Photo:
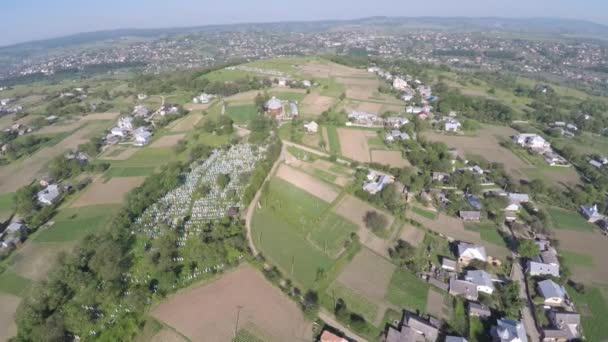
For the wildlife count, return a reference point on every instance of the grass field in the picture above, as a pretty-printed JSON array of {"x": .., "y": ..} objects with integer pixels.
[
  {"x": 11, "y": 282},
  {"x": 242, "y": 114},
  {"x": 355, "y": 302},
  {"x": 281, "y": 227},
  {"x": 424, "y": 213},
  {"x": 75, "y": 223},
  {"x": 244, "y": 335},
  {"x": 6, "y": 203},
  {"x": 331, "y": 232},
  {"x": 576, "y": 259},
  {"x": 148, "y": 157},
  {"x": 488, "y": 232},
  {"x": 593, "y": 308},
  {"x": 325, "y": 176},
  {"x": 334, "y": 140},
  {"x": 563, "y": 219},
  {"x": 117, "y": 171},
  {"x": 407, "y": 291}
]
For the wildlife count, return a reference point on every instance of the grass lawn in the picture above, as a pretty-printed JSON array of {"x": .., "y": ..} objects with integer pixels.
[
  {"x": 75, "y": 223},
  {"x": 128, "y": 172},
  {"x": 331, "y": 232},
  {"x": 407, "y": 291},
  {"x": 242, "y": 114},
  {"x": 211, "y": 139},
  {"x": 488, "y": 232},
  {"x": 593, "y": 309},
  {"x": 7, "y": 201},
  {"x": 564, "y": 219},
  {"x": 334, "y": 140},
  {"x": 424, "y": 213},
  {"x": 280, "y": 230},
  {"x": 11, "y": 282},
  {"x": 576, "y": 259},
  {"x": 226, "y": 75},
  {"x": 355, "y": 302}
]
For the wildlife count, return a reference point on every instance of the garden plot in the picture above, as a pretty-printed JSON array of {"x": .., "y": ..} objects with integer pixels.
[
  {"x": 111, "y": 192},
  {"x": 354, "y": 209},
  {"x": 201, "y": 197},
  {"x": 314, "y": 104},
  {"x": 307, "y": 183},
  {"x": 187, "y": 123},
  {"x": 359, "y": 88},
  {"x": 168, "y": 140},
  {"x": 196, "y": 106},
  {"x": 390, "y": 158},
  {"x": 8, "y": 307},
  {"x": 353, "y": 144},
  {"x": 588, "y": 244},
  {"x": 208, "y": 312},
  {"x": 119, "y": 153},
  {"x": 412, "y": 235},
  {"x": 435, "y": 304}
]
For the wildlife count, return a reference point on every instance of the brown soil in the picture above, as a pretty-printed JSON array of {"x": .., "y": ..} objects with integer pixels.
[
  {"x": 353, "y": 144},
  {"x": 208, "y": 312},
  {"x": 368, "y": 274},
  {"x": 391, "y": 158},
  {"x": 434, "y": 303},
  {"x": 592, "y": 244},
  {"x": 187, "y": 124},
  {"x": 411, "y": 235},
  {"x": 168, "y": 140},
  {"x": 315, "y": 104},
  {"x": 112, "y": 192},
  {"x": 307, "y": 183}
]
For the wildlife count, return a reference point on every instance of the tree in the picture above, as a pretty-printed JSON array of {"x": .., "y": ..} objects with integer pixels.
[
  {"x": 310, "y": 304},
  {"x": 375, "y": 221},
  {"x": 527, "y": 249},
  {"x": 509, "y": 301}
]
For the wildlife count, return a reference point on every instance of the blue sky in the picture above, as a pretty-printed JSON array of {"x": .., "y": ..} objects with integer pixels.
[{"x": 23, "y": 20}]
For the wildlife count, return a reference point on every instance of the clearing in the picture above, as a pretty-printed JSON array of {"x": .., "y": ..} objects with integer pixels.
[
  {"x": 72, "y": 224},
  {"x": 353, "y": 143},
  {"x": 33, "y": 260},
  {"x": 110, "y": 192},
  {"x": 208, "y": 312}
]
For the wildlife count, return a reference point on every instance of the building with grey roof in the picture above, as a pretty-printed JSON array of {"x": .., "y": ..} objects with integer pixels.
[
  {"x": 509, "y": 331},
  {"x": 565, "y": 326},
  {"x": 536, "y": 267},
  {"x": 552, "y": 292},
  {"x": 468, "y": 252},
  {"x": 482, "y": 279},
  {"x": 413, "y": 329},
  {"x": 455, "y": 339},
  {"x": 49, "y": 195},
  {"x": 479, "y": 310},
  {"x": 463, "y": 288}
]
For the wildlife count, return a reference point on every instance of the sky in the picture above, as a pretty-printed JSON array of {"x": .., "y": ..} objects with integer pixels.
[{"x": 25, "y": 20}]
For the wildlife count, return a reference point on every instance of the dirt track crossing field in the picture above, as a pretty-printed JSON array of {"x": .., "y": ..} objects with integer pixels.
[
  {"x": 353, "y": 144},
  {"x": 208, "y": 312},
  {"x": 390, "y": 158},
  {"x": 307, "y": 183},
  {"x": 112, "y": 192}
]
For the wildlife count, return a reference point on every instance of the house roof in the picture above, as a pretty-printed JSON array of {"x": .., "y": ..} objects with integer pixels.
[
  {"x": 328, "y": 336},
  {"x": 49, "y": 194},
  {"x": 550, "y": 289},
  {"x": 550, "y": 256},
  {"x": 274, "y": 104},
  {"x": 479, "y": 309},
  {"x": 455, "y": 339},
  {"x": 508, "y": 330},
  {"x": 448, "y": 262},
  {"x": 470, "y": 215},
  {"x": 463, "y": 288},
  {"x": 425, "y": 328},
  {"x": 14, "y": 227},
  {"x": 537, "y": 267},
  {"x": 480, "y": 278},
  {"x": 472, "y": 251}
]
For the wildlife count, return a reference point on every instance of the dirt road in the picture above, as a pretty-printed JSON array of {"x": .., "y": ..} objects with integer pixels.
[{"x": 517, "y": 275}]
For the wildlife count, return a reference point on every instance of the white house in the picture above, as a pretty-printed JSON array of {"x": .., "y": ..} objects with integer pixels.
[
  {"x": 311, "y": 127},
  {"x": 591, "y": 213},
  {"x": 142, "y": 136},
  {"x": 140, "y": 111},
  {"x": 515, "y": 201},
  {"x": 203, "y": 98},
  {"x": 126, "y": 122},
  {"x": 396, "y": 134},
  {"x": 119, "y": 131},
  {"x": 49, "y": 195},
  {"x": 365, "y": 119},
  {"x": 400, "y": 84},
  {"x": 396, "y": 121},
  {"x": 377, "y": 182},
  {"x": 482, "y": 279},
  {"x": 452, "y": 125},
  {"x": 468, "y": 252},
  {"x": 531, "y": 140},
  {"x": 509, "y": 331}
]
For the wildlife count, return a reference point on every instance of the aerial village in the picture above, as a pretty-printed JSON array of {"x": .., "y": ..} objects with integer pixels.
[{"x": 356, "y": 188}]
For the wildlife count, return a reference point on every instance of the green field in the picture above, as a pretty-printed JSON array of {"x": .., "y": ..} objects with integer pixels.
[
  {"x": 563, "y": 219},
  {"x": 334, "y": 140},
  {"x": 407, "y": 291},
  {"x": 593, "y": 308},
  {"x": 226, "y": 75},
  {"x": 242, "y": 114},
  {"x": 355, "y": 302},
  {"x": 75, "y": 223},
  {"x": 488, "y": 232},
  {"x": 148, "y": 157},
  {"x": 117, "y": 171},
  {"x": 7, "y": 202},
  {"x": 424, "y": 213},
  {"x": 281, "y": 227},
  {"x": 244, "y": 335},
  {"x": 11, "y": 282},
  {"x": 325, "y": 176},
  {"x": 576, "y": 259},
  {"x": 330, "y": 234}
]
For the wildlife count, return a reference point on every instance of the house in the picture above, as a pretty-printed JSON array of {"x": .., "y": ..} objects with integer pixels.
[
  {"x": 293, "y": 109},
  {"x": 142, "y": 136},
  {"x": 274, "y": 107},
  {"x": 400, "y": 84},
  {"x": 395, "y": 121},
  {"x": 554, "y": 294},
  {"x": 470, "y": 216},
  {"x": 365, "y": 119},
  {"x": 566, "y": 326},
  {"x": 448, "y": 264},
  {"x": 52, "y": 118},
  {"x": 396, "y": 134},
  {"x": 142, "y": 97},
  {"x": 49, "y": 195},
  {"x": 203, "y": 98},
  {"x": 140, "y": 111},
  {"x": 464, "y": 289},
  {"x": 452, "y": 125},
  {"x": 474, "y": 201},
  {"x": 596, "y": 163},
  {"x": 468, "y": 252},
  {"x": 590, "y": 213},
  {"x": 125, "y": 122},
  {"x": 307, "y": 83},
  {"x": 438, "y": 283},
  {"x": 537, "y": 267},
  {"x": 14, "y": 227},
  {"x": 407, "y": 95},
  {"x": 532, "y": 141},
  {"x": 554, "y": 159},
  {"x": 377, "y": 182},
  {"x": 440, "y": 176},
  {"x": 328, "y": 336},
  {"x": 119, "y": 131},
  {"x": 455, "y": 339},
  {"x": 571, "y": 127},
  {"x": 311, "y": 127},
  {"x": 413, "y": 329},
  {"x": 168, "y": 109},
  {"x": 413, "y": 109},
  {"x": 515, "y": 201},
  {"x": 46, "y": 181},
  {"x": 479, "y": 310},
  {"x": 509, "y": 331},
  {"x": 482, "y": 279}
]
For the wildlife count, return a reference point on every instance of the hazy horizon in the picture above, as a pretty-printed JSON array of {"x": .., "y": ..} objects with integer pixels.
[{"x": 27, "y": 20}]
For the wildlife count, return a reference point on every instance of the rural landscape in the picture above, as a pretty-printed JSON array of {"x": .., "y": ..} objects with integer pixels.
[{"x": 314, "y": 196}]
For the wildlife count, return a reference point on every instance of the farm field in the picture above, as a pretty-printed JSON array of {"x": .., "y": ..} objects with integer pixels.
[
  {"x": 593, "y": 307},
  {"x": 33, "y": 260},
  {"x": 208, "y": 312},
  {"x": 314, "y": 104},
  {"x": 167, "y": 140},
  {"x": 8, "y": 307},
  {"x": 407, "y": 291},
  {"x": 412, "y": 235},
  {"x": 118, "y": 153},
  {"x": 242, "y": 114},
  {"x": 390, "y": 158},
  {"x": 307, "y": 183},
  {"x": 569, "y": 220},
  {"x": 588, "y": 248},
  {"x": 72, "y": 224},
  {"x": 118, "y": 171},
  {"x": 333, "y": 139},
  {"x": 111, "y": 192},
  {"x": 353, "y": 144},
  {"x": 6, "y": 205}
]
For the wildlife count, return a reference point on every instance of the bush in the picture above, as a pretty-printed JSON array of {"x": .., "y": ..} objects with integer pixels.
[{"x": 375, "y": 221}]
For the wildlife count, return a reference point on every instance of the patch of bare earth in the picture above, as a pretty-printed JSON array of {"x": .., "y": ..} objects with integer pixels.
[
  {"x": 314, "y": 104},
  {"x": 411, "y": 235},
  {"x": 187, "y": 123},
  {"x": 390, "y": 158},
  {"x": 168, "y": 140},
  {"x": 196, "y": 106},
  {"x": 368, "y": 274},
  {"x": 435, "y": 304},
  {"x": 354, "y": 209},
  {"x": 307, "y": 183},
  {"x": 34, "y": 260},
  {"x": 353, "y": 144},
  {"x": 208, "y": 312},
  {"x": 592, "y": 244},
  {"x": 111, "y": 192},
  {"x": 8, "y": 307},
  {"x": 327, "y": 70}
]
